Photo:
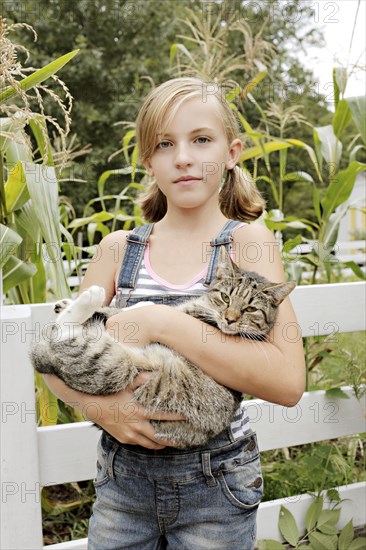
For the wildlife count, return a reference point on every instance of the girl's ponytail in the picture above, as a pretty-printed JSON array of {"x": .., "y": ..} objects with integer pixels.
[
  {"x": 239, "y": 198},
  {"x": 153, "y": 203}
]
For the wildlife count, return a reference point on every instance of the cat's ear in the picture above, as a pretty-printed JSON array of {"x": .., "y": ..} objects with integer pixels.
[
  {"x": 225, "y": 265},
  {"x": 279, "y": 291}
]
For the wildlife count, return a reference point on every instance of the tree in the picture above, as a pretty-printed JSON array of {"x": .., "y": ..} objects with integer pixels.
[{"x": 122, "y": 42}]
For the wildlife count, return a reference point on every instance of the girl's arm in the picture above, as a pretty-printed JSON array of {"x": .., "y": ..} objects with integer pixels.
[
  {"x": 118, "y": 414},
  {"x": 272, "y": 370}
]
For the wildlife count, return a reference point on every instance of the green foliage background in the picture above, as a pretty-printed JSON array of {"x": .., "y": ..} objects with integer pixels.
[{"x": 123, "y": 42}]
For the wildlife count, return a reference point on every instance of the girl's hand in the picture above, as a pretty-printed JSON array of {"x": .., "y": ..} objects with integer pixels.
[
  {"x": 118, "y": 414},
  {"x": 137, "y": 326},
  {"x": 126, "y": 420}
]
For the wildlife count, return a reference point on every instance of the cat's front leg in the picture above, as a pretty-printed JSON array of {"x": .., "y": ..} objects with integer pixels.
[{"x": 80, "y": 310}]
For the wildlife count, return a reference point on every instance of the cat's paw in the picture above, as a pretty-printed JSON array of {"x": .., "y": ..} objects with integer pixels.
[
  {"x": 61, "y": 305},
  {"x": 93, "y": 297}
]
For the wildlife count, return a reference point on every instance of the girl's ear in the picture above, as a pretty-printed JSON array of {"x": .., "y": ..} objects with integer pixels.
[
  {"x": 148, "y": 167},
  {"x": 235, "y": 150}
]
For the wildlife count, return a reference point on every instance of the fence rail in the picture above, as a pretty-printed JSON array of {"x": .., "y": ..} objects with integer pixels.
[{"x": 32, "y": 457}]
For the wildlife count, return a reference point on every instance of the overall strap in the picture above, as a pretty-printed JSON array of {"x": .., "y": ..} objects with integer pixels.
[
  {"x": 136, "y": 243},
  {"x": 225, "y": 238}
]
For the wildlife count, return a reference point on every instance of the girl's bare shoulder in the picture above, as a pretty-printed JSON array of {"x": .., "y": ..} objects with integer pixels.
[{"x": 257, "y": 250}]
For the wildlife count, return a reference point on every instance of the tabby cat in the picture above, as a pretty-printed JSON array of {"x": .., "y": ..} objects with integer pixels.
[{"x": 88, "y": 359}]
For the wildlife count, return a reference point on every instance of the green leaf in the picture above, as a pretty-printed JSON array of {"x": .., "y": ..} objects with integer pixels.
[
  {"x": 287, "y": 526},
  {"x": 316, "y": 203},
  {"x": 341, "y": 187},
  {"x": 357, "y": 106},
  {"x": 27, "y": 220},
  {"x": 38, "y": 282},
  {"x": 333, "y": 494},
  {"x": 335, "y": 87},
  {"x": 328, "y": 517},
  {"x": 249, "y": 87},
  {"x": 97, "y": 217},
  {"x": 47, "y": 403},
  {"x": 341, "y": 78},
  {"x": 259, "y": 151},
  {"x": 38, "y": 76},
  {"x": 16, "y": 190},
  {"x": 290, "y": 244},
  {"x": 39, "y": 129},
  {"x": 346, "y": 536},
  {"x": 43, "y": 189},
  {"x": 9, "y": 242},
  {"x": 328, "y": 529},
  {"x": 336, "y": 392},
  {"x": 358, "y": 544},
  {"x": 356, "y": 269},
  {"x": 310, "y": 152},
  {"x": 108, "y": 173},
  {"x": 126, "y": 141},
  {"x": 342, "y": 117},
  {"x": 313, "y": 512},
  {"x": 320, "y": 541},
  {"x": 330, "y": 146},
  {"x": 173, "y": 51},
  {"x": 298, "y": 176},
  {"x": 269, "y": 544},
  {"x": 16, "y": 272},
  {"x": 93, "y": 228}
]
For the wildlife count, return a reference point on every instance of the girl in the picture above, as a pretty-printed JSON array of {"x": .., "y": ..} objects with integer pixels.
[{"x": 149, "y": 494}]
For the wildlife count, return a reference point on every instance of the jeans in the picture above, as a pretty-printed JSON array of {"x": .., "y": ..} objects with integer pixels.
[{"x": 196, "y": 499}]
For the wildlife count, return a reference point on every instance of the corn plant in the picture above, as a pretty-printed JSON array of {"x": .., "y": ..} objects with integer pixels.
[
  {"x": 31, "y": 235},
  {"x": 330, "y": 208}
]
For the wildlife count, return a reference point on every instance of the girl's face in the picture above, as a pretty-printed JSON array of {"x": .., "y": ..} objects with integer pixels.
[{"x": 190, "y": 158}]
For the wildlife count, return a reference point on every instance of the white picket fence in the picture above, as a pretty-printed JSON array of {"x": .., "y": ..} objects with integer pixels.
[{"x": 33, "y": 457}]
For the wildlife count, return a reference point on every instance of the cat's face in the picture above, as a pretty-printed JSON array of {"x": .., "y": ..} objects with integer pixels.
[{"x": 245, "y": 302}]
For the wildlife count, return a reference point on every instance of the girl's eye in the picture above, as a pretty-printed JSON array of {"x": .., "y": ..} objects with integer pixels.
[
  {"x": 202, "y": 139},
  {"x": 163, "y": 145},
  {"x": 225, "y": 298}
]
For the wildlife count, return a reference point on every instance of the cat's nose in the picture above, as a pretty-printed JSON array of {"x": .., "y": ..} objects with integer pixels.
[{"x": 232, "y": 315}]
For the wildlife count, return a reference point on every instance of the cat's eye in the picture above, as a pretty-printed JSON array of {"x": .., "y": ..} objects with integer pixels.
[
  {"x": 250, "y": 309},
  {"x": 225, "y": 298}
]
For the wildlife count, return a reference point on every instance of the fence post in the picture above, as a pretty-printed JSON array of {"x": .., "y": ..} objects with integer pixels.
[{"x": 21, "y": 517}]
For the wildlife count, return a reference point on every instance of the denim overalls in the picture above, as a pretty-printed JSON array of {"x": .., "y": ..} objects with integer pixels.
[{"x": 205, "y": 498}]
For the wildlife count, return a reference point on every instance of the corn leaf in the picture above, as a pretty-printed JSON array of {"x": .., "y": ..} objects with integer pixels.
[
  {"x": 253, "y": 83},
  {"x": 260, "y": 150},
  {"x": 16, "y": 190},
  {"x": 310, "y": 151},
  {"x": 357, "y": 106},
  {"x": 43, "y": 190},
  {"x": 341, "y": 187},
  {"x": 39, "y": 129},
  {"x": 47, "y": 402},
  {"x": 330, "y": 146},
  {"x": 38, "y": 76},
  {"x": 15, "y": 272},
  {"x": 9, "y": 241},
  {"x": 342, "y": 117}
]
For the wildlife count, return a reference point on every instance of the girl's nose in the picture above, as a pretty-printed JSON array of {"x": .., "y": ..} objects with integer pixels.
[{"x": 183, "y": 156}]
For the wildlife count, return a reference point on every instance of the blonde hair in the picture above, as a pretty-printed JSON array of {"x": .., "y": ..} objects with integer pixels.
[{"x": 239, "y": 198}]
